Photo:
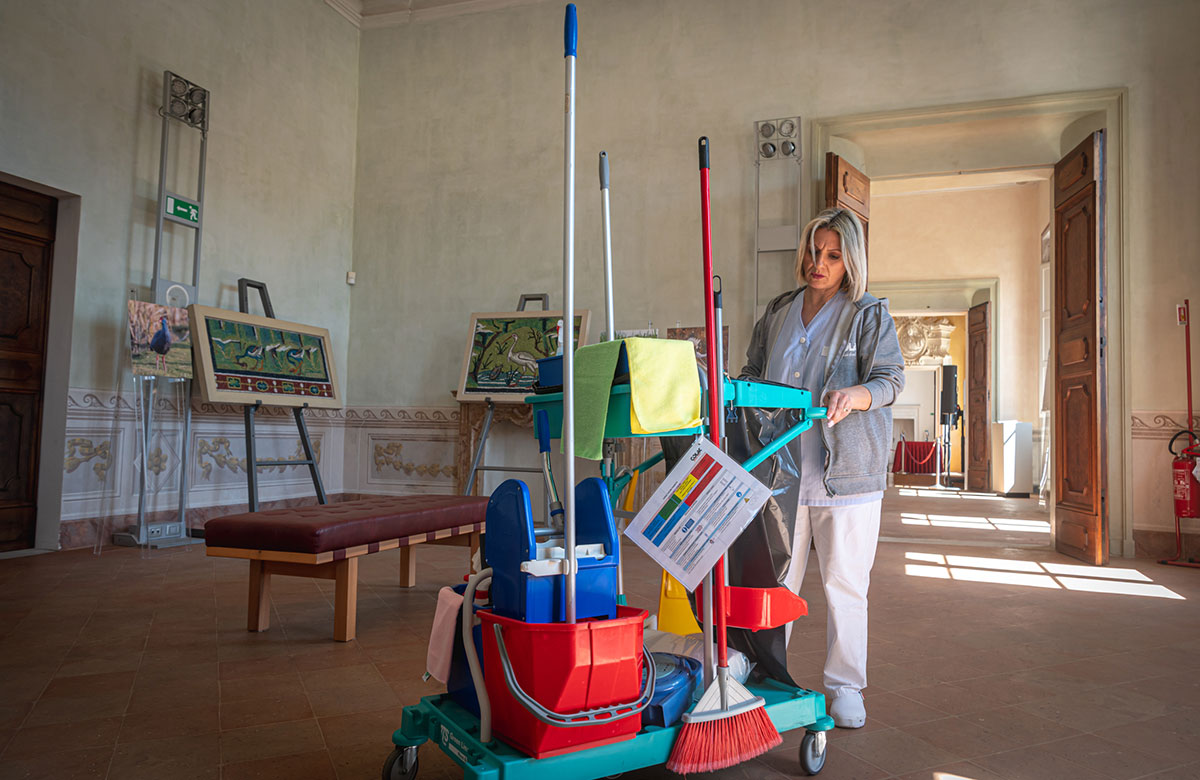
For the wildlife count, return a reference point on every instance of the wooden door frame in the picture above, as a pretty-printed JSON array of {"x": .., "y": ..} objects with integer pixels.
[
  {"x": 57, "y": 380},
  {"x": 825, "y": 135}
]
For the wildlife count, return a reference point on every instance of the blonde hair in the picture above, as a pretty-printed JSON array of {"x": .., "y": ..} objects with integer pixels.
[{"x": 854, "y": 248}]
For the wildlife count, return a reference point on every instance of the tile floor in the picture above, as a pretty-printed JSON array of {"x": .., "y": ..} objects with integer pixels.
[{"x": 986, "y": 662}]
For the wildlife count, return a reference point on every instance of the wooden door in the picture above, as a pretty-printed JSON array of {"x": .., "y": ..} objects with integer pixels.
[
  {"x": 979, "y": 398},
  {"x": 26, "y": 247},
  {"x": 1080, "y": 516},
  {"x": 849, "y": 188}
]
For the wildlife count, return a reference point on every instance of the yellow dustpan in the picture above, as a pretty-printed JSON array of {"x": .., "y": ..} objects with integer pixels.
[{"x": 674, "y": 610}]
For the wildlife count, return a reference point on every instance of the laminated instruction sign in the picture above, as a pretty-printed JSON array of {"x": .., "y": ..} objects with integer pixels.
[{"x": 698, "y": 511}]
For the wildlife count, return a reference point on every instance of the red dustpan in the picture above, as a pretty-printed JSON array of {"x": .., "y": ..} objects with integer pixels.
[{"x": 759, "y": 608}]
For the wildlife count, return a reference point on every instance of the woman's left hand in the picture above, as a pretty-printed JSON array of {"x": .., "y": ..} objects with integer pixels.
[{"x": 840, "y": 403}]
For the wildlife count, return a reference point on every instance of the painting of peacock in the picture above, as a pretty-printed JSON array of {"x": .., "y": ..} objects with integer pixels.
[
  {"x": 161, "y": 344},
  {"x": 160, "y": 340}
]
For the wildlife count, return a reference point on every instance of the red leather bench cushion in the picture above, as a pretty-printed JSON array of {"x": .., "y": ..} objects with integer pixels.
[{"x": 316, "y": 529}]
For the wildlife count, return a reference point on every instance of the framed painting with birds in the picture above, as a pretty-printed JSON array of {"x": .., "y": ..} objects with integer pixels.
[
  {"x": 244, "y": 358},
  {"x": 503, "y": 349},
  {"x": 160, "y": 340}
]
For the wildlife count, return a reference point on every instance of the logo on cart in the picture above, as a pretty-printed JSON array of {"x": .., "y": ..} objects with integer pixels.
[{"x": 455, "y": 746}]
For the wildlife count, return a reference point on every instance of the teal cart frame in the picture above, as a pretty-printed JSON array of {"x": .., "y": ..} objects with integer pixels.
[{"x": 442, "y": 722}]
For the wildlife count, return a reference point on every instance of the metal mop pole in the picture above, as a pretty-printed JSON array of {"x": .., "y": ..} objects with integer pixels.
[
  {"x": 571, "y": 41},
  {"x": 610, "y": 334},
  {"x": 605, "y": 218}
]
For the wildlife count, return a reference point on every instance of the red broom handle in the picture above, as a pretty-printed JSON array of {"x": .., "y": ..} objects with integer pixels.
[
  {"x": 1187, "y": 350},
  {"x": 714, "y": 384}
]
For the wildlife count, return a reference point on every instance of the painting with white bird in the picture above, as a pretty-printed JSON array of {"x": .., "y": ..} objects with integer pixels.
[
  {"x": 244, "y": 357},
  {"x": 502, "y": 354}
]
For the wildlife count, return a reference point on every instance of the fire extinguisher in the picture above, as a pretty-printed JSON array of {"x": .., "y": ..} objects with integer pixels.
[{"x": 1187, "y": 489}]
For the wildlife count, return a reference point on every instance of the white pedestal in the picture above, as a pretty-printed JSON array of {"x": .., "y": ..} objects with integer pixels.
[{"x": 1012, "y": 457}]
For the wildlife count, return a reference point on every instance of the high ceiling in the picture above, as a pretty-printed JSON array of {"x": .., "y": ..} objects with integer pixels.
[{"x": 369, "y": 14}]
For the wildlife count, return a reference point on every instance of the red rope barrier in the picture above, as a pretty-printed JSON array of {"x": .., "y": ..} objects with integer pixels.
[
  {"x": 925, "y": 459},
  {"x": 909, "y": 462}
]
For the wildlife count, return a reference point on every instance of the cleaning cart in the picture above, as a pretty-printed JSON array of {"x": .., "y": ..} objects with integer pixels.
[{"x": 569, "y": 696}]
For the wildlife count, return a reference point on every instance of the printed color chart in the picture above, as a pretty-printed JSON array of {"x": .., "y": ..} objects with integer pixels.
[{"x": 702, "y": 506}]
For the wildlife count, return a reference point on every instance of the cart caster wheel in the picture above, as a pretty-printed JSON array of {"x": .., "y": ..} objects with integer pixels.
[
  {"x": 401, "y": 764},
  {"x": 812, "y": 752}
]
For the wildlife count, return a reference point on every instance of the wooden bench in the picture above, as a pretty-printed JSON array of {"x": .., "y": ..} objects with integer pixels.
[{"x": 326, "y": 541}]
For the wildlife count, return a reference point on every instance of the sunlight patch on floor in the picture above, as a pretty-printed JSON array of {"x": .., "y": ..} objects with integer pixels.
[
  {"x": 1013, "y": 524},
  {"x": 957, "y": 494},
  {"x": 1034, "y": 574}
]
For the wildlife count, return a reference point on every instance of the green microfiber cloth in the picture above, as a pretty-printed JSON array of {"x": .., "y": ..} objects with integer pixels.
[{"x": 594, "y": 369}]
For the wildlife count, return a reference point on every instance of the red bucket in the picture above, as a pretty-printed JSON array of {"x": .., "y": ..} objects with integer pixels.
[{"x": 567, "y": 669}]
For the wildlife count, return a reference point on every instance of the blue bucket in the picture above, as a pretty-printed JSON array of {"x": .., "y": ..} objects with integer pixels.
[{"x": 675, "y": 678}]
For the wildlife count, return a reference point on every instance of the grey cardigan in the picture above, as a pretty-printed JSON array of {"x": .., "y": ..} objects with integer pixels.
[{"x": 865, "y": 352}]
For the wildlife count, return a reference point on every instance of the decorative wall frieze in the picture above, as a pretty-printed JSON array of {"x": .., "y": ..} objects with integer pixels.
[
  {"x": 80, "y": 451},
  {"x": 391, "y": 416},
  {"x": 387, "y": 454},
  {"x": 360, "y": 450},
  {"x": 1160, "y": 425},
  {"x": 218, "y": 453},
  {"x": 156, "y": 461},
  {"x": 924, "y": 341},
  {"x": 83, "y": 403}
]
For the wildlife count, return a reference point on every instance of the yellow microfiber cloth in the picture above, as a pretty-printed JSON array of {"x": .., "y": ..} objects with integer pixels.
[{"x": 664, "y": 386}]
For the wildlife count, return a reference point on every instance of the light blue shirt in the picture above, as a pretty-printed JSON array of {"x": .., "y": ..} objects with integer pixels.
[{"x": 799, "y": 357}]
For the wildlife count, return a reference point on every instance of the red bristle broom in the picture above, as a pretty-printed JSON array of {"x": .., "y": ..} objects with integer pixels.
[{"x": 729, "y": 724}]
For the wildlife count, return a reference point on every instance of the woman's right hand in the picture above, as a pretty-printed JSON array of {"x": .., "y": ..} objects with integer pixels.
[{"x": 839, "y": 403}]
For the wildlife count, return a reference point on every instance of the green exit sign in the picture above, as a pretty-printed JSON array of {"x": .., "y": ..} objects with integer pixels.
[{"x": 183, "y": 210}]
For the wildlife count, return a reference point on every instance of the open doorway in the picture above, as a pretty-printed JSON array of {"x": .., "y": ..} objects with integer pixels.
[
  {"x": 934, "y": 347},
  {"x": 958, "y": 258},
  {"x": 931, "y": 234},
  {"x": 1080, "y": 135}
]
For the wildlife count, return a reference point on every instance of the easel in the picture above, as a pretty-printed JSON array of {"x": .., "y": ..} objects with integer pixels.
[
  {"x": 476, "y": 463},
  {"x": 252, "y": 461}
]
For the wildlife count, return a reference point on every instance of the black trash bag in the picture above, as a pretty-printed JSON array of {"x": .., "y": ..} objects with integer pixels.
[{"x": 762, "y": 555}]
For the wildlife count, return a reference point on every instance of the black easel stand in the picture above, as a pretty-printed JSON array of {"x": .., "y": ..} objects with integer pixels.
[{"x": 252, "y": 461}]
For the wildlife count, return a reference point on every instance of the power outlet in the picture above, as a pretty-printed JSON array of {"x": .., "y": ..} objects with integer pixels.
[{"x": 156, "y": 530}]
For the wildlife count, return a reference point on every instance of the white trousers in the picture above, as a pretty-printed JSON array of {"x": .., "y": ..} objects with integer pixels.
[{"x": 845, "y": 538}]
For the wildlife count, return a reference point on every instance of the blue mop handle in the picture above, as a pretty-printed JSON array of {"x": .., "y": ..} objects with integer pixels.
[
  {"x": 571, "y": 31},
  {"x": 543, "y": 431},
  {"x": 542, "y": 426}
]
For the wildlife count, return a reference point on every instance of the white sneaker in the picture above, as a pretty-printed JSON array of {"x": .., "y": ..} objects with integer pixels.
[{"x": 848, "y": 711}]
